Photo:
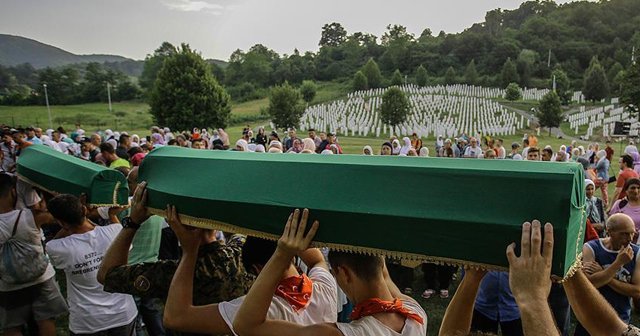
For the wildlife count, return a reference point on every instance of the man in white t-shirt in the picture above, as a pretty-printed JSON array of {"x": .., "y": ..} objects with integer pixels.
[
  {"x": 297, "y": 298},
  {"x": 473, "y": 150},
  {"x": 92, "y": 310},
  {"x": 380, "y": 307},
  {"x": 40, "y": 299}
]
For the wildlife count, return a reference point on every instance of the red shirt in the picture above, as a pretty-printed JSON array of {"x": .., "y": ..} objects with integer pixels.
[{"x": 626, "y": 174}]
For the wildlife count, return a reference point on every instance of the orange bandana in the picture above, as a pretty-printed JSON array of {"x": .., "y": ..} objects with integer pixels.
[
  {"x": 374, "y": 306},
  {"x": 296, "y": 290}
]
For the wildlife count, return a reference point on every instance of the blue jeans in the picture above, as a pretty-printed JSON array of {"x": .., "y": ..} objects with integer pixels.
[{"x": 150, "y": 311}]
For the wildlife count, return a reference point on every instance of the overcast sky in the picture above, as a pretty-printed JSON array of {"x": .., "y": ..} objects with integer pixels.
[{"x": 134, "y": 28}]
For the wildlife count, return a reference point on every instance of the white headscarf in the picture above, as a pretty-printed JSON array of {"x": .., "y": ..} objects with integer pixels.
[
  {"x": 242, "y": 143},
  {"x": 365, "y": 148},
  {"x": 424, "y": 152},
  {"x": 395, "y": 150},
  {"x": 259, "y": 149},
  {"x": 407, "y": 146},
  {"x": 327, "y": 152}
]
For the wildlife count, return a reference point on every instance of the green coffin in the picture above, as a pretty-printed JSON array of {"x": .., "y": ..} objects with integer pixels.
[
  {"x": 59, "y": 173},
  {"x": 457, "y": 211}
]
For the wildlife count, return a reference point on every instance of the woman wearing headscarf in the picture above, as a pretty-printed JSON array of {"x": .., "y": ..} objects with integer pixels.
[
  {"x": 296, "y": 146},
  {"x": 367, "y": 150},
  {"x": 275, "y": 144},
  {"x": 404, "y": 150},
  {"x": 135, "y": 140},
  {"x": 157, "y": 139},
  {"x": 242, "y": 146},
  {"x": 260, "y": 149},
  {"x": 395, "y": 146},
  {"x": 308, "y": 146},
  {"x": 424, "y": 152},
  {"x": 594, "y": 208}
]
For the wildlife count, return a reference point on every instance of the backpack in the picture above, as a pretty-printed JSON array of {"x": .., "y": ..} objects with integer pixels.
[{"x": 20, "y": 262}]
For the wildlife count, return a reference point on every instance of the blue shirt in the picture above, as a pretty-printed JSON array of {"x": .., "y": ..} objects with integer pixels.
[
  {"x": 495, "y": 299},
  {"x": 602, "y": 168},
  {"x": 35, "y": 141},
  {"x": 606, "y": 257}
]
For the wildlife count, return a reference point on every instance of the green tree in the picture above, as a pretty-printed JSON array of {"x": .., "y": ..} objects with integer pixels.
[
  {"x": 126, "y": 90},
  {"x": 471, "y": 74},
  {"x": 630, "y": 88},
  {"x": 596, "y": 85},
  {"x": 512, "y": 92},
  {"x": 333, "y": 35},
  {"x": 421, "y": 76},
  {"x": 563, "y": 85},
  {"x": 285, "y": 107},
  {"x": 153, "y": 64},
  {"x": 450, "y": 76},
  {"x": 308, "y": 90},
  {"x": 509, "y": 73},
  {"x": 360, "y": 82},
  {"x": 186, "y": 94},
  {"x": 395, "y": 107},
  {"x": 550, "y": 111},
  {"x": 372, "y": 72},
  {"x": 396, "y": 78}
]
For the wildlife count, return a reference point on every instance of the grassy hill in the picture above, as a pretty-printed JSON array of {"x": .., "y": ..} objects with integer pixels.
[{"x": 16, "y": 50}]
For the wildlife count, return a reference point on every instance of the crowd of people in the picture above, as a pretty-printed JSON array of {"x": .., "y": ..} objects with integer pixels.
[{"x": 128, "y": 272}]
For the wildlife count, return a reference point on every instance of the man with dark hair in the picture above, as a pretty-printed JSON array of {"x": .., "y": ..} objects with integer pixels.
[
  {"x": 525, "y": 150},
  {"x": 31, "y": 136},
  {"x": 198, "y": 144},
  {"x": 109, "y": 154},
  {"x": 39, "y": 299},
  {"x": 298, "y": 298},
  {"x": 316, "y": 139},
  {"x": 381, "y": 309},
  {"x": 19, "y": 137},
  {"x": 533, "y": 154},
  {"x": 92, "y": 310},
  {"x": 124, "y": 143},
  {"x": 626, "y": 172},
  {"x": 91, "y": 150},
  {"x": 547, "y": 153}
]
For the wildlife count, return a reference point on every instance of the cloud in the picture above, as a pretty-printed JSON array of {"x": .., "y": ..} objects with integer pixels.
[{"x": 194, "y": 6}]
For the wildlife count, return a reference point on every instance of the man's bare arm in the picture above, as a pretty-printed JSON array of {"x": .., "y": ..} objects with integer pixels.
[{"x": 592, "y": 310}]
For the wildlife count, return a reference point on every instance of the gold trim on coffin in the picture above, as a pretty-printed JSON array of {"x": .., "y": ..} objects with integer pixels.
[
  {"x": 55, "y": 193},
  {"x": 217, "y": 225}
]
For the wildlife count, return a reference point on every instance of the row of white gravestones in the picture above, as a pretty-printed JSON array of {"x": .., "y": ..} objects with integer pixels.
[
  {"x": 455, "y": 89},
  {"x": 431, "y": 114}
]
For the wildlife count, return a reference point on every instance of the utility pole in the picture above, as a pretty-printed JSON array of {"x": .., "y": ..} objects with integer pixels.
[
  {"x": 46, "y": 98},
  {"x": 554, "y": 83},
  {"x": 549, "y": 59},
  {"x": 109, "y": 95},
  {"x": 633, "y": 55}
]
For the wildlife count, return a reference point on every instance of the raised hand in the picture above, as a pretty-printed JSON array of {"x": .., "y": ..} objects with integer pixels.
[
  {"x": 294, "y": 240},
  {"x": 625, "y": 255},
  {"x": 530, "y": 274},
  {"x": 189, "y": 237},
  {"x": 139, "y": 212}
]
